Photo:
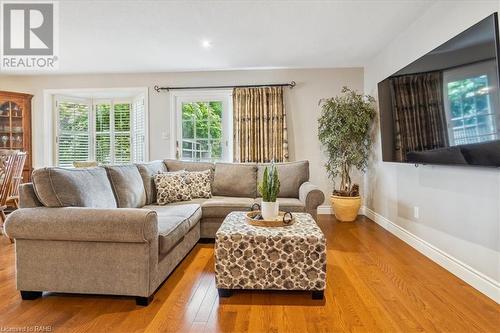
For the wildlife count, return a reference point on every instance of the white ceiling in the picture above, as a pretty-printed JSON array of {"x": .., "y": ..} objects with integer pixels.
[{"x": 159, "y": 36}]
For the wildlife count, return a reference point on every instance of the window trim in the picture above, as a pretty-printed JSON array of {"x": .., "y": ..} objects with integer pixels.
[{"x": 178, "y": 97}]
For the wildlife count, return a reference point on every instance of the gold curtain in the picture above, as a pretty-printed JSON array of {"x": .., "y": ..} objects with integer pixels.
[{"x": 260, "y": 133}]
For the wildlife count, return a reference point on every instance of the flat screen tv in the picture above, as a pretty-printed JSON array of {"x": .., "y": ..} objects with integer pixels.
[{"x": 444, "y": 108}]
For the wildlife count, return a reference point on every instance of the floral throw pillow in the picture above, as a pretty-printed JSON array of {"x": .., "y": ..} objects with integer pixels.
[
  {"x": 200, "y": 183},
  {"x": 171, "y": 187}
]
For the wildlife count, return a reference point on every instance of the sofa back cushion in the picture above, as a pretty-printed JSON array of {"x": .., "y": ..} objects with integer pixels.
[
  {"x": 59, "y": 187},
  {"x": 235, "y": 180},
  {"x": 148, "y": 171},
  {"x": 176, "y": 165},
  {"x": 127, "y": 185},
  {"x": 291, "y": 175}
]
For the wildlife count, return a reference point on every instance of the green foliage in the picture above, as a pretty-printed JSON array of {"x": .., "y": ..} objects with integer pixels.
[
  {"x": 344, "y": 132},
  {"x": 270, "y": 186},
  {"x": 203, "y": 121}
]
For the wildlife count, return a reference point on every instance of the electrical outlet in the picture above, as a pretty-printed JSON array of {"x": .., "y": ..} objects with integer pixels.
[
  {"x": 416, "y": 212},
  {"x": 165, "y": 136}
]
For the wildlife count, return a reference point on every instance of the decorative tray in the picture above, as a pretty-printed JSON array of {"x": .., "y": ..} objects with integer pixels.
[{"x": 280, "y": 221}]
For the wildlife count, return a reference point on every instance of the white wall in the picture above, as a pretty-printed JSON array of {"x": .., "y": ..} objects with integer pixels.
[
  {"x": 459, "y": 207},
  {"x": 301, "y": 104}
]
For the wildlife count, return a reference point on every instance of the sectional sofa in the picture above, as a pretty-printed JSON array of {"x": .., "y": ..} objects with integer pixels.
[{"x": 99, "y": 230}]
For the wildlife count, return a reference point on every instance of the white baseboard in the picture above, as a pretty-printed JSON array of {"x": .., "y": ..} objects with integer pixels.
[
  {"x": 476, "y": 279},
  {"x": 325, "y": 209}
]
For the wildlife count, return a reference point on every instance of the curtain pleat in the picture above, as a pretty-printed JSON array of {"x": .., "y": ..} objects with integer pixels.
[
  {"x": 418, "y": 113},
  {"x": 260, "y": 133}
]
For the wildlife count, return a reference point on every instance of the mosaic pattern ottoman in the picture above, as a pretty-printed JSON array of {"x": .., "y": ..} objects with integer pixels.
[{"x": 267, "y": 258}]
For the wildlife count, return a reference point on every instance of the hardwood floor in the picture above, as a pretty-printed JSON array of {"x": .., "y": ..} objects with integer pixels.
[{"x": 375, "y": 283}]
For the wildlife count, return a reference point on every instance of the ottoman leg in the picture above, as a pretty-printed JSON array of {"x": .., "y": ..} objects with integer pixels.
[
  {"x": 318, "y": 294},
  {"x": 224, "y": 292}
]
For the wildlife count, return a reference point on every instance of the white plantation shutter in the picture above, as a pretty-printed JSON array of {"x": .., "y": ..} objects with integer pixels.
[
  {"x": 122, "y": 135},
  {"x": 107, "y": 131},
  {"x": 138, "y": 130},
  {"x": 73, "y": 132},
  {"x": 103, "y": 132}
]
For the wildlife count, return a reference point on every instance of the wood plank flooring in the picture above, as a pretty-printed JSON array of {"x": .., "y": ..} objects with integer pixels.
[{"x": 375, "y": 283}]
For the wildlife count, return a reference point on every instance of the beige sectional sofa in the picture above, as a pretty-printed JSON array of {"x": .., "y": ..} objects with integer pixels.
[{"x": 99, "y": 230}]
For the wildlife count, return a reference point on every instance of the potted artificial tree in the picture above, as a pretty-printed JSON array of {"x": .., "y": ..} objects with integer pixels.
[
  {"x": 269, "y": 189},
  {"x": 344, "y": 132}
]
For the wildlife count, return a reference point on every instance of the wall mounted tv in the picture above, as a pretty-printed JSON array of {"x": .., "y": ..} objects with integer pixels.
[{"x": 444, "y": 108}]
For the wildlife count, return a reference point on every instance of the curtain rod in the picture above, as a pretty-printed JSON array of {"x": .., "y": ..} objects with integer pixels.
[{"x": 291, "y": 85}]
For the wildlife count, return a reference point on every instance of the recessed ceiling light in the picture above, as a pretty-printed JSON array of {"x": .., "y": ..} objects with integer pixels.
[{"x": 206, "y": 43}]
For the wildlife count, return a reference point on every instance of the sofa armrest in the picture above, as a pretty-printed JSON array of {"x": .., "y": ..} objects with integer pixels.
[
  {"x": 127, "y": 225},
  {"x": 311, "y": 196}
]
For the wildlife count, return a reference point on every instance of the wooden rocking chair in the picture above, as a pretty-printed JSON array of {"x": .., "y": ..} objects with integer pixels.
[
  {"x": 7, "y": 163},
  {"x": 17, "y": 178}
]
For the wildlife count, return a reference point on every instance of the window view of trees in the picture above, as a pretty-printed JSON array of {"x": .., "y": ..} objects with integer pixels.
[
  {"x": 471, "y": 114},
  {"x": 112, "y": 134},
  {"x": 202, "y": 131},
  {"x": 103, "y": 133},
  {"x": 122, "y": 133},
  {"x": 73, "y": 138}
]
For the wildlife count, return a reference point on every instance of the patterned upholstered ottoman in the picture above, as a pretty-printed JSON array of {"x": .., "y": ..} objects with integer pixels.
[{"x": 264, "y": 258}]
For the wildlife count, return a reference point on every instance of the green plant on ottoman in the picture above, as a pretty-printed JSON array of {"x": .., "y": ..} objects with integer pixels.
[
  {"x": 269, "y": 189},
  {"x": 344, "y": 131}
]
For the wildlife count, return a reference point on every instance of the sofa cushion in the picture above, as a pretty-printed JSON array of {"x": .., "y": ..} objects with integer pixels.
[
  {"x": 235, "y": 180},
  {"x": 127, "y": 185},
  {"x": 174, "y": 222},
  {"x": 60, "y": 187},
  {"x": 147, "y": 171},
  {"x": 291, "y": 175},
  {"x": 176, "y": 165},
  {"x": 288, "y": 204},
  {"x": 221, "y": 206},
  {"x": 172, "y": 187}
]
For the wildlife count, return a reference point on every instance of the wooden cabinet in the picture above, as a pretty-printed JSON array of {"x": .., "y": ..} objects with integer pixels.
[{"x": 15, "y": 126}]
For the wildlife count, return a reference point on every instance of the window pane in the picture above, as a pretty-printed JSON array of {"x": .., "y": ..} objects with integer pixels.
[
  {"x": 201, "y": 124},
  {"x": 216, "y": 150},
  {"x": 122, "y": 117},
  {"x": 188, "y": 129},
  {"x": 73, "y": 116},
  {"x": 73, "y": 133},
  {"x": 71, "y": 148},
  {"x": 202, "y": 129},
  {"x": 138, "y": 124},
  {"x": 188, "y": 111},
  {"x": 102, "y": 117},
  {"x": 122, "y": 149},
  {"x": 103, "y": 148}
]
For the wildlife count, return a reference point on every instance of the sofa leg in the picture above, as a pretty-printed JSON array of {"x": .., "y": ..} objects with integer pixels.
[
  {"x": 30, "y": 295},
  {"x": 144, "y": 301},
  {"x": 318, "y": 294},
  {"x": 224, "y": 292}
]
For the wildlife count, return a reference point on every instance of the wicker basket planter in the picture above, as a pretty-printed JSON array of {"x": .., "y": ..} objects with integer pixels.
[{"x": 345, "y": 208}]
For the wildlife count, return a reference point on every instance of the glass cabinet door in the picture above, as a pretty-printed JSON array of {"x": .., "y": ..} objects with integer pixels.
[{"x": 11, "y": 125}]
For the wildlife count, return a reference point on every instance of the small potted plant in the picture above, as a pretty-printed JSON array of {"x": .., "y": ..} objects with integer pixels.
[
  {"x": 344, "y": 131},
  {"x": 269, "y": 189}
]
